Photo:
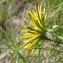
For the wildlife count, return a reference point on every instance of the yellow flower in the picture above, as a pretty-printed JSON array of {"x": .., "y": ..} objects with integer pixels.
[{"x": 36, "y": 30}]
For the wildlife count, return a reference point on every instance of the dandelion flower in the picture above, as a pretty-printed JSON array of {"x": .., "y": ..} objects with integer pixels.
[{"x": 36, "y": 29}]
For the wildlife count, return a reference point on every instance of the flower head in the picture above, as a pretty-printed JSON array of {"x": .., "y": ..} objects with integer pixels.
[{"x": 36, "y": 29}]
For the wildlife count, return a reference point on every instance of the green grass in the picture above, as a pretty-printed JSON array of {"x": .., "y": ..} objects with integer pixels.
[{"x": 54, "y": 52}]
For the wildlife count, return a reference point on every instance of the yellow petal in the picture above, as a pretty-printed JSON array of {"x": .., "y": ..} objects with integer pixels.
[
  {"x": 31, "y": 50},
  {"x": 28, "y": 43},
  {"x": 28, "y": 52},
  {"x": 29, "y": 22},
  {"x": 31, "y": 39},
  {"x": 40, "y": 11}
]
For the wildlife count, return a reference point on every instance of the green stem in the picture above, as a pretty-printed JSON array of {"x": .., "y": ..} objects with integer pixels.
[{"x": 39, "y": 57}]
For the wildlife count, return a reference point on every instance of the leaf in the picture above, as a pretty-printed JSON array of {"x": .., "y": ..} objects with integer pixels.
[
  {"x": 2, "y": 13},
  {"x": 60, "y": 37}
]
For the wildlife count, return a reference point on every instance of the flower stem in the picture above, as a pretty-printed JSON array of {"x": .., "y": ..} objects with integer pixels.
[{"x": 39, "y": 57}]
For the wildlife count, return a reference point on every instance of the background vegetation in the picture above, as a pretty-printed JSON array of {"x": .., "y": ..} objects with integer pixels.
[{"x": 12, "y": 13}]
